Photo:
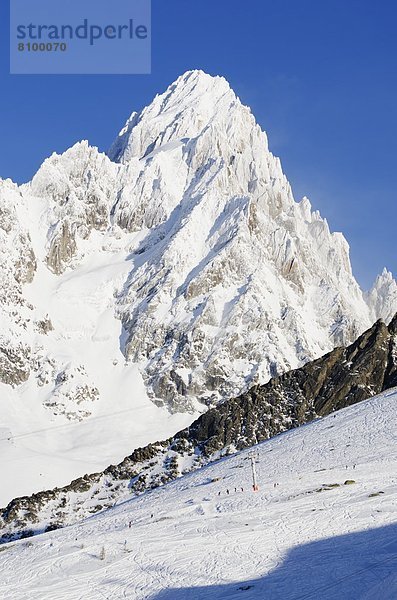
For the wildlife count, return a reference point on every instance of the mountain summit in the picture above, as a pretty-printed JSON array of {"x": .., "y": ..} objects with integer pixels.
[
  {"x": 194, "y": 102},
  {"x": 162, "y": 278},
  {"x": 233, "y": 253}
]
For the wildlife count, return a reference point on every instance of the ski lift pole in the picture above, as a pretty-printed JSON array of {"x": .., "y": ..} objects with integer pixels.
[{"x": 255, "y": 486}]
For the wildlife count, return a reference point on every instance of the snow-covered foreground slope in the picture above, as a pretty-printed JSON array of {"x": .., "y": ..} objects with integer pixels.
[
  {"x": 170, "y": 275},
  {"x": 327, "y": 529}
]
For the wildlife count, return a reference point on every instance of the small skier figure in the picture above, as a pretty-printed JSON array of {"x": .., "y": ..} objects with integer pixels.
[
  {"x": 129, "y": 525},
  {"x": 227, "y": 492}
]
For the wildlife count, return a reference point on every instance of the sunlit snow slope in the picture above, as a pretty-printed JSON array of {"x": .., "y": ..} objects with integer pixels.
[
  {"x": 323, "y": 525},
  {"x": 82, "y": 407},
  {"x": 164, "y": 277}
]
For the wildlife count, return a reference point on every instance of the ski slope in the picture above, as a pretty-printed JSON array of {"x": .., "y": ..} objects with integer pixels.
[{"x": 310, "y": 536}]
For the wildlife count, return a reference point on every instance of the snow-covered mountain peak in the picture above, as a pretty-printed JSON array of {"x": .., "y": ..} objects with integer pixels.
[
  {"x": 194, "y": 104},
  {"x": 384, "y": 278},
  {"x": 198, "y": 87},
  {"x": 382, "y": 298}
]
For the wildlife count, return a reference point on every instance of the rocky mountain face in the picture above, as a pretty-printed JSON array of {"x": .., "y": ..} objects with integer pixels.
[
  {"x": 18, "y": 268},
  {"x": 233, "y": 254},
  {"x": 177, "y": 269},
  {"x": 339, "y": 379}
]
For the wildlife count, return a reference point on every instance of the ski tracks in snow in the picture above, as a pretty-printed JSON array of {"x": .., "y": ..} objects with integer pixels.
[{"x": 201, "y": 538}]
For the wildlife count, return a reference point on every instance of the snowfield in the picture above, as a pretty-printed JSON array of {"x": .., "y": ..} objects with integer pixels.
[
  {"x": 322, "y": 525},
  {"x": 40, "y": 446}
]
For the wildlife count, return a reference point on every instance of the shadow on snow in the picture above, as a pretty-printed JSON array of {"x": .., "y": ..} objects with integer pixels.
[{"x": 356, "y": 566}]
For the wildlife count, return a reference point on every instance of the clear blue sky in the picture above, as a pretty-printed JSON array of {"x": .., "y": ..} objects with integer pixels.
[{"x": 320, "y": 77}]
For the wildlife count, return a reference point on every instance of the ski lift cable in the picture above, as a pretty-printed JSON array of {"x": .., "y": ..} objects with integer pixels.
[{"x": 57, "y": 427}]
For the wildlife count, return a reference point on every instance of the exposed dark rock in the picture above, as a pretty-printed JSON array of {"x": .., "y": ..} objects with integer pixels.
[
  {"x": 62, "y": 248},
  {"x": 25, "y": 268},
  {"x": 14, "y": 364},
  {"x": 341, "y": 378},
  {"x": 44, "y": 326}
]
